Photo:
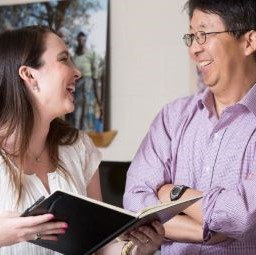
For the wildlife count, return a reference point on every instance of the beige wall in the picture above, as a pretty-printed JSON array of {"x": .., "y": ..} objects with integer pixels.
[{"x": 150, "y": 67}]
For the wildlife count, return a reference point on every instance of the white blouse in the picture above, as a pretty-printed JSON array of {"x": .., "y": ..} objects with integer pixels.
[{"x": 81, "y": 160}]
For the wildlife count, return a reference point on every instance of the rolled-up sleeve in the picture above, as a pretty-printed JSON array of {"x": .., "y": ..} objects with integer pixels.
[
  {"x": 150, "y": 167},
  {"x": 231, "y": 212}
]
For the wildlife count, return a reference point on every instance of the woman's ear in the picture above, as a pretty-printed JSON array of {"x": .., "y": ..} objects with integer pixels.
[
  {"x": 250, "y": 38},
  {"x": 26, "y": 74}
]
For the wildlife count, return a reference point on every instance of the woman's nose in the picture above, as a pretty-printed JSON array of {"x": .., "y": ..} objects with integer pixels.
[{"x": 77, "y": 73}]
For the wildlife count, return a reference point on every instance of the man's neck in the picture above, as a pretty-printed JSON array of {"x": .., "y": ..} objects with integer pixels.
[{"x": 228, "y": 98}]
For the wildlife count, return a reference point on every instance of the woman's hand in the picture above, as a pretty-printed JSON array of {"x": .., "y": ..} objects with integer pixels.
[
  {"x": 147, "y": 239},
  {"x": 15, "y": 229}
]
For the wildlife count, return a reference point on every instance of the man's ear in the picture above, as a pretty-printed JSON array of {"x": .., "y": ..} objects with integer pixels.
[
  {"x": 250, "y": 43},
  {"x": 26, "y": 74}
]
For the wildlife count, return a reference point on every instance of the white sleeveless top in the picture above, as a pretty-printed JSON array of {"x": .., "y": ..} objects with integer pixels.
[{"x": 81, "y": 160}]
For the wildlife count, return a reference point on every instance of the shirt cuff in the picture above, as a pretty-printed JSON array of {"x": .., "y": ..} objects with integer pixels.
[{"x": 208, "y": 203}]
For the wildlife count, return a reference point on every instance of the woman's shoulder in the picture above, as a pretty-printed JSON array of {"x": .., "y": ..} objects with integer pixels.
[
  {"x": 3, "y": 168},
  {"x": 83, "y": 141},
  {"x": 1, "y": 160},
  {"x": 82, "y": 158},
  {"x": 4, "y": 175},
  {"x": 82, "y": 148}
]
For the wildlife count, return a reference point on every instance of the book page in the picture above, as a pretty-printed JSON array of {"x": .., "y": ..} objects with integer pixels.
[{"x": 174, "y": 207}]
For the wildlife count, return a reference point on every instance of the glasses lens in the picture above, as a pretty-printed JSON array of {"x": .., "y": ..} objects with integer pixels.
[
  {"x": 187, "y": 39},
  {"x": 200, "y": 37}
]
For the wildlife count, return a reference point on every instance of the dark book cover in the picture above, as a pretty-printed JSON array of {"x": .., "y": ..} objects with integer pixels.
[{"x": 92, "y": 224}]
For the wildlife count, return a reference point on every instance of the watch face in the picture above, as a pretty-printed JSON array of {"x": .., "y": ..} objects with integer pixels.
[{"x": 176, "y": 190}]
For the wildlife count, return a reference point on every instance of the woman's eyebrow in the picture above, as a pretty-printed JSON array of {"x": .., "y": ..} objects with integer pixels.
[{"x": 64, "y": 52}]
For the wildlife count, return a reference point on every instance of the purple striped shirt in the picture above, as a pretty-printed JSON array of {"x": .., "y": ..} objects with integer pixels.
[{"x": 187, "y": 144}]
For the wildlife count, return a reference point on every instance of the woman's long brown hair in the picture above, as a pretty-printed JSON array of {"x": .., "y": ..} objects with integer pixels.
[{"x": 19, "y": 47}]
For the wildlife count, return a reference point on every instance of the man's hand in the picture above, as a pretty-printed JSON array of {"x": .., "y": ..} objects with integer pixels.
[{"x": 147, "y": 239}]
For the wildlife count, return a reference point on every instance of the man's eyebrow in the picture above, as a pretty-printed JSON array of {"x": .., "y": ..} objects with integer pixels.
[{"x": 200, "y": 26}]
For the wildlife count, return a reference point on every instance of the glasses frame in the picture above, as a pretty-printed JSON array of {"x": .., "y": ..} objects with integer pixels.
[{"x": 203, "y": 34}]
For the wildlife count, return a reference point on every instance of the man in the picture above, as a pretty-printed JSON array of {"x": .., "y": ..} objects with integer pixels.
[
  {"x": 85, "y": 104},
  {"x": 206, "y": 143}
]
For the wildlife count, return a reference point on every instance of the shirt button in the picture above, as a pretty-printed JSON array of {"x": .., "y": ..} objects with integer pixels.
[
  {"x": 52, "y": 177},
  {"x": 207, "y": 169},
  {"x": 216, "y": 136}
]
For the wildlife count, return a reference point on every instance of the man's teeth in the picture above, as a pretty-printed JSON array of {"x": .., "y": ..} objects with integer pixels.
[{"x": 204, "y": 63}]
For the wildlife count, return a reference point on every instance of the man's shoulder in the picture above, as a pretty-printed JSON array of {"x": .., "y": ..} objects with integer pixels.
[
  {"x": 177, "y": 112},
  {"x": 182, "y": 105},
  {"x": 174, "y": 115}
]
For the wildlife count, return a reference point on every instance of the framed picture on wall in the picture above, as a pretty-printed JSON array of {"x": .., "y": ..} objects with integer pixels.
[{"x": 83, "y": 26}]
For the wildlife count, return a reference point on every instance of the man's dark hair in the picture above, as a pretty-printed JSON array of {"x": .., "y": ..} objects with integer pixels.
[
  {"x": 81, "y": 34},
  {"x": 235, "y": 14}
]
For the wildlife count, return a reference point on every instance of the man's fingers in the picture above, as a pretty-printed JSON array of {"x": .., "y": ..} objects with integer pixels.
[
  {"x": 134, "y": 240},
  {"x": 158, "y": 227},
  {"x": 141, "y": 236}
]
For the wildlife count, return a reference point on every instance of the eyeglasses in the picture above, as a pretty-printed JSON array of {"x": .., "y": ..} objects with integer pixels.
[{"x": 200, "y": 36}]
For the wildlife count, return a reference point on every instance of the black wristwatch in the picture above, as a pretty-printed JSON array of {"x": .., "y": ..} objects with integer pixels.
[{"x": 177, "y": 191}]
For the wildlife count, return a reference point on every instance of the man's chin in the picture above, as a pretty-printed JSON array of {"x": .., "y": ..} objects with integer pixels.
[{"x": 209, "y": 83}]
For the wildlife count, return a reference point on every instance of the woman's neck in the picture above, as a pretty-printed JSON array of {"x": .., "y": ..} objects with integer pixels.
[{"x": 38, "y": 140}]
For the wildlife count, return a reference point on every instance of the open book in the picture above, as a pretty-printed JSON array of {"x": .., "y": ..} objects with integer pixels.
[{"x": 92, "y": 224}]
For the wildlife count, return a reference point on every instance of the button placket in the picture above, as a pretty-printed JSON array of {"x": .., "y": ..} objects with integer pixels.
[
  {"x": 216, "y": 136},
  {"x": 207, "y": 169},
  {"x": 52, "y": 181},
  {"x": 210, "y": 159}
]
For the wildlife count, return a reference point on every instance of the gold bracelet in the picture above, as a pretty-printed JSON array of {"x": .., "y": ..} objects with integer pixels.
[{"x": 128, "y": 247}]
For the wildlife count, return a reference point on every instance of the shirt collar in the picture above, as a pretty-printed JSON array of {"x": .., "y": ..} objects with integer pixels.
[
  {"x": 205, "y": 100},
  {"x": 249, "y": 100}
]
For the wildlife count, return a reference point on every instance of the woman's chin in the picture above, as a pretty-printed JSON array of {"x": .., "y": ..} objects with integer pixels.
[{"x": 70, "y": 110}]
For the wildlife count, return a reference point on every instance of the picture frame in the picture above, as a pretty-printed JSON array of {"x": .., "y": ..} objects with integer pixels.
[{"x": 84, "y": 26}]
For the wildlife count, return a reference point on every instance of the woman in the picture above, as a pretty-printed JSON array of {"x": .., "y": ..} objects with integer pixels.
[{"x": 39, "y": 152}]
